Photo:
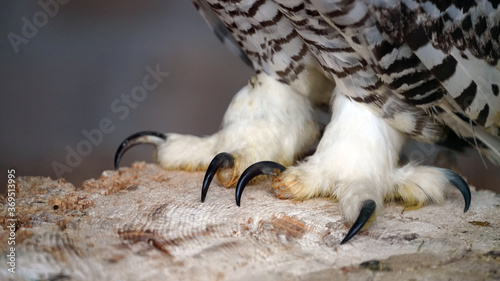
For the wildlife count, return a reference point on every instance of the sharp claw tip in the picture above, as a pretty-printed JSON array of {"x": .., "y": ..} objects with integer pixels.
[
  {"x": 117, "y": 158},
  {"x": 117, "y": 164},
  {"x": 203, "y": 196},
  {"x": 367, "y": 210},
  {"x": 256, "y": 169},
  {"x": 221, "y": 160},
  {"x": 347, "y": 238},
  {"x": 462, "y": 186}
]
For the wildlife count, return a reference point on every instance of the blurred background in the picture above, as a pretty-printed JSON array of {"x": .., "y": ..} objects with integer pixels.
[{"x": 64, "y": 69}]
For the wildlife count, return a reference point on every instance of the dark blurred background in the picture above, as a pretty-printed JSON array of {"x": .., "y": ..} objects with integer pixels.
[{"x": 65, "y": 66}]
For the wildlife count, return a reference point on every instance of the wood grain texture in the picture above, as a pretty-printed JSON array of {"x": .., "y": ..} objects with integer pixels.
[{"x": 144, "y": 223}]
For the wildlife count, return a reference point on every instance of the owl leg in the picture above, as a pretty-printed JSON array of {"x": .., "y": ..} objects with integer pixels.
[
  {"x": 356, "y": 163},
  {"x": 266, "y": 120}
]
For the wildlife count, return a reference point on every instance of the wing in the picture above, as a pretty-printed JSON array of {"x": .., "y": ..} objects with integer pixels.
[
  {"x": 440, "y": 56},
  {"x": 411, "y": 62},
  {"x": 455, "y": 45}
]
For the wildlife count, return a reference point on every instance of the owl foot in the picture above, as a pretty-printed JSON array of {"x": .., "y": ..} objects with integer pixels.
[
  {"x": 354, "y": 198},
  {"x": 356, "y": 163},
  {"x": 266, "y": 120}
]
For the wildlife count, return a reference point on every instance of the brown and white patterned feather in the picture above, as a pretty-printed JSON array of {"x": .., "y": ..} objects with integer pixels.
[{"x": 423, "y": 66}]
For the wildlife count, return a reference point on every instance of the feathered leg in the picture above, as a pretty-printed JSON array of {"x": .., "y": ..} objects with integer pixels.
[
  {"x": 266, "y": 120},
  {"x": 356, "y": 163}
]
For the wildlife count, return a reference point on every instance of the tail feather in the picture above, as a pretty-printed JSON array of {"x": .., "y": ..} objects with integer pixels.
[{"x": 484, "y": 141}]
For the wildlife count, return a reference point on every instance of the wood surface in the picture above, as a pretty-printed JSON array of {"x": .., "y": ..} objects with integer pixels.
[{"x": 144, "y": 223}]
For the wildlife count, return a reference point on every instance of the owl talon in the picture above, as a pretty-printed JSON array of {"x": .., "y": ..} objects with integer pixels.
[
  {"x": 462, "y": 186},
  {"x": 259, "y": 168},
  {"x": 144, "y": 137},
  {"x": 221, "y": 160},
  {"x": 367, "y": 210}
]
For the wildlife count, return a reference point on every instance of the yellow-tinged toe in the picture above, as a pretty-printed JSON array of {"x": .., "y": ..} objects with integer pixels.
[
  {"x": 281, "y": 190},
  {"x": 287, "y": 186},
  {"x": 411, "y": 206},
  {"x": 228, "y": 177}
]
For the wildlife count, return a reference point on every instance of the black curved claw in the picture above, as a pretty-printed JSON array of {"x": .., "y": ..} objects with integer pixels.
[
  {"x": 221, "y": 160},
  {"x": 460, "y": 183},
  {"x": 366, "y": 212},
  {"x": 146, "y": 137},
  {"x": 257, "y": 169}
]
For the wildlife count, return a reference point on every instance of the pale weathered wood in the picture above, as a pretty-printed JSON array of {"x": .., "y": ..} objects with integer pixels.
[{"x": 144, "y": 223}]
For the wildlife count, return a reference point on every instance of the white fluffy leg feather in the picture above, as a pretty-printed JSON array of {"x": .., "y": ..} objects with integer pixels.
[
  {"x": 357, "y": 160},
  {"x": 186, "y": 152},
  {"x": 266, "y": 120},
  {"x": 417, "y": 185},
  {"x": 354, "y": 160}
]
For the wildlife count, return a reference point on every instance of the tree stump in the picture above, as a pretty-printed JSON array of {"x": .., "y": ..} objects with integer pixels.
[{"x": 144, "y": 223}]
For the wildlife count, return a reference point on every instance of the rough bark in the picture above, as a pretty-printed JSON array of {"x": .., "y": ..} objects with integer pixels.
[{"x": 144, "y": 223}]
